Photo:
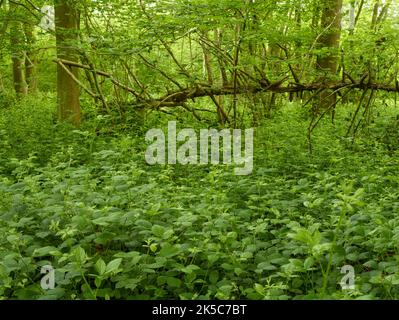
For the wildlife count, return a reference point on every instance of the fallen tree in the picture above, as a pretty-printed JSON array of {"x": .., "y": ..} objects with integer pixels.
[{"x": 198, "y": 90}]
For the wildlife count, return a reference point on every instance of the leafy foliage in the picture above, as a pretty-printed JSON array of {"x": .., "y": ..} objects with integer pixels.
[
  {"x": 115, "y": 228},
  {"x": 82, "y": 199}
]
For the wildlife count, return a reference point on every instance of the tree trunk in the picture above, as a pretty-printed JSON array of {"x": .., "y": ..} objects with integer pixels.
[
  {"x": 327, "y": 63},
  {"x": 17, "y": 55},
  {"x": 66, "y": 28},
  {"x": 30, "y": 60},
  {"x": 331, "y": 28}
]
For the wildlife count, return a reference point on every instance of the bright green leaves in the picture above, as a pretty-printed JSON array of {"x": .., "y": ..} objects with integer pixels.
[
  {"x": 100, "y": 266},
  {"x": 104, "y": 271},
  {"x": 111, "y": 268},
  {"x": 161, "y": 232},
  {"x": 190, "y": 269},
  {"x": 46, "y": 251},
  {"x": 306, "y": 236},
  {"x": 169, "y": 251},
  {"x": 312, "y": 239},
  {"x": 113, "y": 228},
  {"x": 169, "y": 281},
  {"x": 79, "y": 255},
  {"x": 265, "y": 266}
]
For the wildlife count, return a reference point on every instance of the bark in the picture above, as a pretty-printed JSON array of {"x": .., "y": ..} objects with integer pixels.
[
  {"x": 66, "y": 28},
  {"x": 331, "y": 28},
  {"x": 30, "y": 60},
  {"x": 17, "y": 55},
  {"x": 327, "y": 63}
]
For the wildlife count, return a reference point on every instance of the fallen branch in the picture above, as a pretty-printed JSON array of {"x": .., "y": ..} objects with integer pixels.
[
  {"x": 179, "y": 97},
  {"x": 79, "y": 83},
  {"x": 101, "y": 73}
]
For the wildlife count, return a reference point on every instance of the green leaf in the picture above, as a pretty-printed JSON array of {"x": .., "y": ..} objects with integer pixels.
[
  {"x": 321, "y": 248},
  {"x": 102, "y": 221},
  {"x": 213, "y": 276},
  {"x": 98, "y": 281},
  {"x": 153, "y": 247},
  {"x": 158, "y": 230},
  {"x": 259, "y": 289},
  {"x": 80, "y": 255},
  {"x": 265, "y": 266},
  {"x": 173, "y": 282},
  {"x": 308, "y": 263},
  {"x": 159, "y": 263},
  {"x": 46, "y": 251},
  {"x": 112, "y": 267},
  {"x": 128, "y": 283},
  {"x": 100, "y": 266},
  {"x": 169, "y": 251},
  {"x": 132, "y": 257},
  {"x": 190, "y": 268}
]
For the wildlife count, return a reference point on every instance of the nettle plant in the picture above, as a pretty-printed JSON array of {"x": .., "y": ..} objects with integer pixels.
[{"x": 113, "y": 227}]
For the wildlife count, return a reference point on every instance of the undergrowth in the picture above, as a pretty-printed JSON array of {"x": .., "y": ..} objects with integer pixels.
[{"x": 85, "y": 202}]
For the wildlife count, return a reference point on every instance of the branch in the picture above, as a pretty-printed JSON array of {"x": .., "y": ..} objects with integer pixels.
[
  {"x": 101, "y": 73},
  {"x": 179, "y": 97},
  {"x": 76, "y": 79}
]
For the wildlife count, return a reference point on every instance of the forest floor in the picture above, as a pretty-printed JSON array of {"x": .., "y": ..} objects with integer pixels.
[{"x": 112, "y": 226}]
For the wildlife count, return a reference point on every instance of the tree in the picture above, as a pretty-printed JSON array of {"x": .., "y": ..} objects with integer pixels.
[
  {"x": 30, "y": 58},
  {"x": 330, "y": 37},
  {"x": 17, "y": 53},
  {"x": 66, "y": 28},
  {"x": 327, "y": 61}
]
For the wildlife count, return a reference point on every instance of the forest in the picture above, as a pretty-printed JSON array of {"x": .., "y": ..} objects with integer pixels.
[{"x": 199, "y": 149}]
